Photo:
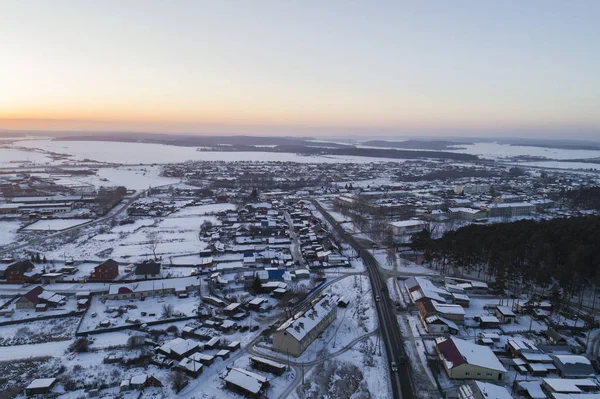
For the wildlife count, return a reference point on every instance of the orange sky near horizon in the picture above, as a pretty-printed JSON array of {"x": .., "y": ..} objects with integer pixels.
[{"x": 288, "y": 67}]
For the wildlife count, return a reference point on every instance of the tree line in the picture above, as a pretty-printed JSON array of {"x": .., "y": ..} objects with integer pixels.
[{"x": 528, "y": 253}]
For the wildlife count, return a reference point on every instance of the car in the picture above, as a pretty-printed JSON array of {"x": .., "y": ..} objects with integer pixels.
[
  {"x": 394, "y": 367},
  {"x": 401, "y": 359},
  {"x": 94, "y": 314},
  {"x": 254, "y": 328},
  {"x": 378, "y": 298},
  {"x": 244, "y": 329}
]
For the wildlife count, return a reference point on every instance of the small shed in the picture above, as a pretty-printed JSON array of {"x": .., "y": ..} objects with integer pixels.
[{"x": 40, "y": 386}]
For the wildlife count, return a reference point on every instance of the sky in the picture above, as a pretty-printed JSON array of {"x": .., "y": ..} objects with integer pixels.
[{"x": 321, "y": 68}]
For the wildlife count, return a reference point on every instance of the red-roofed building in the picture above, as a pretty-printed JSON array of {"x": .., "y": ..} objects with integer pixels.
[
  {"x": 468, "y": 361},
  {"x": 108, "y": 270},
  {"x": 30, "y": 300}
]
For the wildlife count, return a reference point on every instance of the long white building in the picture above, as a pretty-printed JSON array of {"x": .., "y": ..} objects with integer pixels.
[{"x": 298, "y": 332}]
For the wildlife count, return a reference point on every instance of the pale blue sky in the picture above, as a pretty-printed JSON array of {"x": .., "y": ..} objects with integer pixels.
[{"x": 438, "y": 67}]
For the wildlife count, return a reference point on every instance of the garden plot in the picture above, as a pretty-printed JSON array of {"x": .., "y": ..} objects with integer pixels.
[
  {"x": 36, "y": 332},
  {"x": 22, "y": 314},
  {"x": 167, "y": 237},
  {"x": 56, "y": 224},
  {"x": 150, "y": 309}
]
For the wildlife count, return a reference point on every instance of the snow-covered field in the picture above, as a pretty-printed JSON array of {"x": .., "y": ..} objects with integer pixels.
[
  {"x": 13, "y": 157},
  {"x": 496, "y": 151},
  {"x": 175, "y": 235},
  {"x": 146, "y": 153},
  {"x": 8, "y": 232},
  {"x": 562, "y": 165},
  {"x": 56, "y": 224}
]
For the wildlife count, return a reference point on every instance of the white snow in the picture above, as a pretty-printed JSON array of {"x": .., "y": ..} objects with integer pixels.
[{"x": 56, "y": 224}]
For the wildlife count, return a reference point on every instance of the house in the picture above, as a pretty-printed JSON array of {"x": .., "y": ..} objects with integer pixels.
[
  {"x": 21, "y": 272},
  {"x": 40, "y": 386},
  {"x": 482, "y": 390},
  {"x": 553, "y": 386},
  {"x": 232, "y": 308},
  {"x": 487, "y": 321},
  {"x": 407, "y": 227},
  {"x": 142, "y": 381},
  {"x": 475, "y": 288},
  {"x": 461, "y": 299},
  {"x": 179, "y": 348},
  {"x": 428, "y": 308},
  {"x": 203, "y": 358},
  {"x": 107, "y": 270},
  {"x": 256, "y": 303},
  {"x": 30, "y": 299},
  {"x": 147, "y": 269},
  {"x": 298, "y": 332},
  {"x": 466, "y": 360},
  {"x": 142, "y": 289},
  {"x": 267, "y": 365},
  {"x": 573, "y": 366},
  {"x": 554, "y": 337},
  {"x": 505, "y": 315},
  {"x": 246, "y": 382},
  {"x": 191, "y": 367},
  {"x": 440, "y": 325}
]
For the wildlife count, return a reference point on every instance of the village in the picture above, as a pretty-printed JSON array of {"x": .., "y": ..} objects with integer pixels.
[{"x": 240, "y": 280}]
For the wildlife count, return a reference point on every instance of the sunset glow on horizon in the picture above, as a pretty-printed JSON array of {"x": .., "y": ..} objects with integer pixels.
[{"x": 435, "y": 67}]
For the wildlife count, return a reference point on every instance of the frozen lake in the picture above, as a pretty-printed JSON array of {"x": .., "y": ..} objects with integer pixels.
[{"x": 146, "y": 153}]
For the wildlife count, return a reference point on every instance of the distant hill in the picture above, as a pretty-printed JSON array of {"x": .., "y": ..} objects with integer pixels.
[
  {"x": 200, "y": 141},
  {"x": 416, "y": 144}
]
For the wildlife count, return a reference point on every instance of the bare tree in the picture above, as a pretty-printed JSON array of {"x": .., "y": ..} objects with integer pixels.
[
  {"x": 153, "y": 239},
  {"x": 167, "y": 310},
  {"x": 178, "y": 381}
]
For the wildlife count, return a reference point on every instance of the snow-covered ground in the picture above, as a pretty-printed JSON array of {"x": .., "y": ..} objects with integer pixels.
[
  {"x": 175, "y": 235},
  {"x": 146, "y": 153},
  {"x": 402, "y": 265},
  {"x": 33, "y": 350},
  {"x": 8, "y": 232},
  {"x": 496, "y": 150},
  {"x": 56, "y": 224}
]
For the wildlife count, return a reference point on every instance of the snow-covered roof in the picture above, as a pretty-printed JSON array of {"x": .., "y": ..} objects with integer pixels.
[
  {"x": 184, "y": 347},
  {"x": 139, "y": 379},
  {"x": 302, "y": 323},
  {"x": 569, "y": 385},
  {"x": 245, "y": 379},
  {"x": 448, "y": 308},
  {"x": 190, "y": 364},
  {"x": 41, "y": 383},
  {"x": 505, "y": 310},
  {"x": 152, "y": 285},
  {"x": 489, "y": 391},
  {"x": 408, "y": 223},
  {"x": 572, "y": 359},
  {"x": 456, "y": 351}
]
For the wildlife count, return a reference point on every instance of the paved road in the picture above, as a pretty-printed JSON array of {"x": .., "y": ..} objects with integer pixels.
[
  {"x": 392, "y": 338},
  {"x": 295, "y": 242}
]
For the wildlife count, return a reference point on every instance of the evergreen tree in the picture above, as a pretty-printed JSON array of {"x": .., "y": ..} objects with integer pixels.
[{"x": 256, "y": 284}]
